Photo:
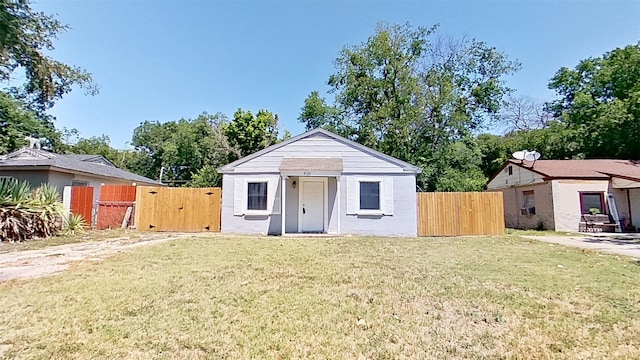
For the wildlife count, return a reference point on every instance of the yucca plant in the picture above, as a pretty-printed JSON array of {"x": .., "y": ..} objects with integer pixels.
[
  {"x": 27, "y": 213},
  {"x": 74, "y": 224}
]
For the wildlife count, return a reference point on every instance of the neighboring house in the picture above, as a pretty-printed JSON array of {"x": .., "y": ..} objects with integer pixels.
[
  {"x": 43, "y": 167},
  {"x": 553, "y": 194},
  {"x": 319, "y": 182}
]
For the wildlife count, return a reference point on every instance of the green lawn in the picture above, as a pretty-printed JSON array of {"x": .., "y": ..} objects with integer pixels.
[{"x": 343, "y": 298}]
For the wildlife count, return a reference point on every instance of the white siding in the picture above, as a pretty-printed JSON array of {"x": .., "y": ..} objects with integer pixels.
[
  {"x": 634, "y": 199},
  {"x": 244, "y": 224},
  {"x": 354, "y": 160},
  {"x": 620, "y": 196},
  {"x": 272, "y": 223},
  {"x": 566, "y": 200},
  {"x": 519, "y": 176},
  {"x": 403, "y": 222},
  {"x": 398, "y": 217}
]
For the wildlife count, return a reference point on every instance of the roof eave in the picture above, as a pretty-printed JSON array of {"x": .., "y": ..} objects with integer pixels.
[{"x": 229, "y": 168}]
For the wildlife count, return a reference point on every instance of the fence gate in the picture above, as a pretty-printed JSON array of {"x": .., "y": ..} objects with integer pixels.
[
  {"x": 116, "y": 206},
  {"x": 461, "y": 213},
  {"x": 82, "y": 202},
  {"x": 178, "y": 209}
]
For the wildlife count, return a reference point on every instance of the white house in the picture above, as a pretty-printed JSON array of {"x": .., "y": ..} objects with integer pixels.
[
  {"x": 319, "y": 182},
  {"x": 554, "y": 194}
]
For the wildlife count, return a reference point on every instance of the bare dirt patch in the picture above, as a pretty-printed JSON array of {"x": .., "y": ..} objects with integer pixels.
[{"x": 55, "y": 259}]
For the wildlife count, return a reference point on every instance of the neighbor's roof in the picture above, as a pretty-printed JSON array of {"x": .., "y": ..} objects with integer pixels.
[
  {"x": 405, "y": 165},
  {"x": 89, "y": 164},
  {"x": 591, "y": 169}
]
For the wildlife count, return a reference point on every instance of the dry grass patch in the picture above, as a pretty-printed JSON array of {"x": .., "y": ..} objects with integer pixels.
[{"x": 382, "y": 298}]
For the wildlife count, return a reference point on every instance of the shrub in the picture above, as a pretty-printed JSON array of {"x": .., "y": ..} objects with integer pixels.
[{"x": 25, "y": 213}]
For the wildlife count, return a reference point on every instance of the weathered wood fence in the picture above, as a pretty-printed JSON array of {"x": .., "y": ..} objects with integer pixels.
[
  {"x": 178, "y": 209},
  {"x": 455, "y": 214}
]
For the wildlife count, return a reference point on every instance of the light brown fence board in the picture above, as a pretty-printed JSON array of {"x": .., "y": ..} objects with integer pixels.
[
  {"x": 454, "y": 214},
  {"x": 178, "y": 209}
]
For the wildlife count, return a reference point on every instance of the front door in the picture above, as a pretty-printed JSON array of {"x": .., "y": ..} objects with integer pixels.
[{"x": 312, "y": 210}]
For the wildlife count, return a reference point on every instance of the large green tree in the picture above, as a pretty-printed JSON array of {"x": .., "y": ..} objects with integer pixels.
[
  {"x": 599, "y": 103},
  {"x": 18, "y": 122},
  {"x": 183, "y": 148},
  {"x": 419, "y": 97},
  {"x": 553, "y": 141},
  {"x": 249, "y": 133},
  {"x": 26, "y": 38}
]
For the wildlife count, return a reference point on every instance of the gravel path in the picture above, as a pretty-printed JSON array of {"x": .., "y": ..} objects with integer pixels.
[
  {"x": 54, "y": 259},
  {"x": 620, "y": 244}
]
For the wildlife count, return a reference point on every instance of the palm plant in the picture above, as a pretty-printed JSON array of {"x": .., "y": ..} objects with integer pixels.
[{"x": 27, "y": 213}]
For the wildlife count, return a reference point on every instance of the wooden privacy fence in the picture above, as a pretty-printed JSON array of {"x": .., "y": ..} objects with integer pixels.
[
  {"x": 455, "y": 214},
  {"x": 178, "y": 209}
]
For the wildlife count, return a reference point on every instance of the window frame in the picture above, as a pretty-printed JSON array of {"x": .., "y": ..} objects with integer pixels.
[
  {"x": 603, "y": 204},
  {"x": 386, "y": 197},
  {"x": 265, "y": 195},
  {"x": 379, "y": 208},
  {"x": 241, "y": 194},
  {"x": 525, "y": 195}
]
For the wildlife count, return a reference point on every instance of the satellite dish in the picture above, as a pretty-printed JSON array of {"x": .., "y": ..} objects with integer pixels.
[
  {"x": 532, "y": 156},
  {"x": 520, "y": 155}
]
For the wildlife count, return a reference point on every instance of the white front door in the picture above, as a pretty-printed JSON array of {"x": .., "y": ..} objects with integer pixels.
[{"x": 312, "y": 210}]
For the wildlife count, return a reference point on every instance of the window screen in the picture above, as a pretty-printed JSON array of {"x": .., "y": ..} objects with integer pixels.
[
  {"x": 257, "y": 196},
  {"x": 369, "y": 195}
]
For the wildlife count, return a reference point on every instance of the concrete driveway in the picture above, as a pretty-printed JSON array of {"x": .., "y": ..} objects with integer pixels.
[{"x": 627, "y": 244}]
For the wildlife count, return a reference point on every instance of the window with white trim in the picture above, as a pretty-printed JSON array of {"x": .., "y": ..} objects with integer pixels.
[
  {"x": 369, "y": 195},
  {"x": 257, "y": 195}
]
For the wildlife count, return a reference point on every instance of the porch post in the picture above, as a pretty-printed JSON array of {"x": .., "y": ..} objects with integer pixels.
[
  {"x": 338, "y": 205},
  {"x": 283, "y": 199}
]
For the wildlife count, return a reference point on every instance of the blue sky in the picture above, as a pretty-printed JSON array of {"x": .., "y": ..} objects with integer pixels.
[{"x": 166, "y": 60}]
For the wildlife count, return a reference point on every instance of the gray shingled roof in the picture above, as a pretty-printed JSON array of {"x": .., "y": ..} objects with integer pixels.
[{"x": 88, "y": 164}]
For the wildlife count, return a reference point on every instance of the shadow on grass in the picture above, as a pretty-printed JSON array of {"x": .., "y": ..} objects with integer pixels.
[{"x": 613, "y": 240}]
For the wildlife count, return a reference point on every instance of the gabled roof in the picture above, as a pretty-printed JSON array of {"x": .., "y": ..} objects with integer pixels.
[
  {"x": 89, "y": 164},
  {"x": 582, "y": 169},
  {"x": 98, "y": 159},
  {"x": 405, "y": 165}
]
